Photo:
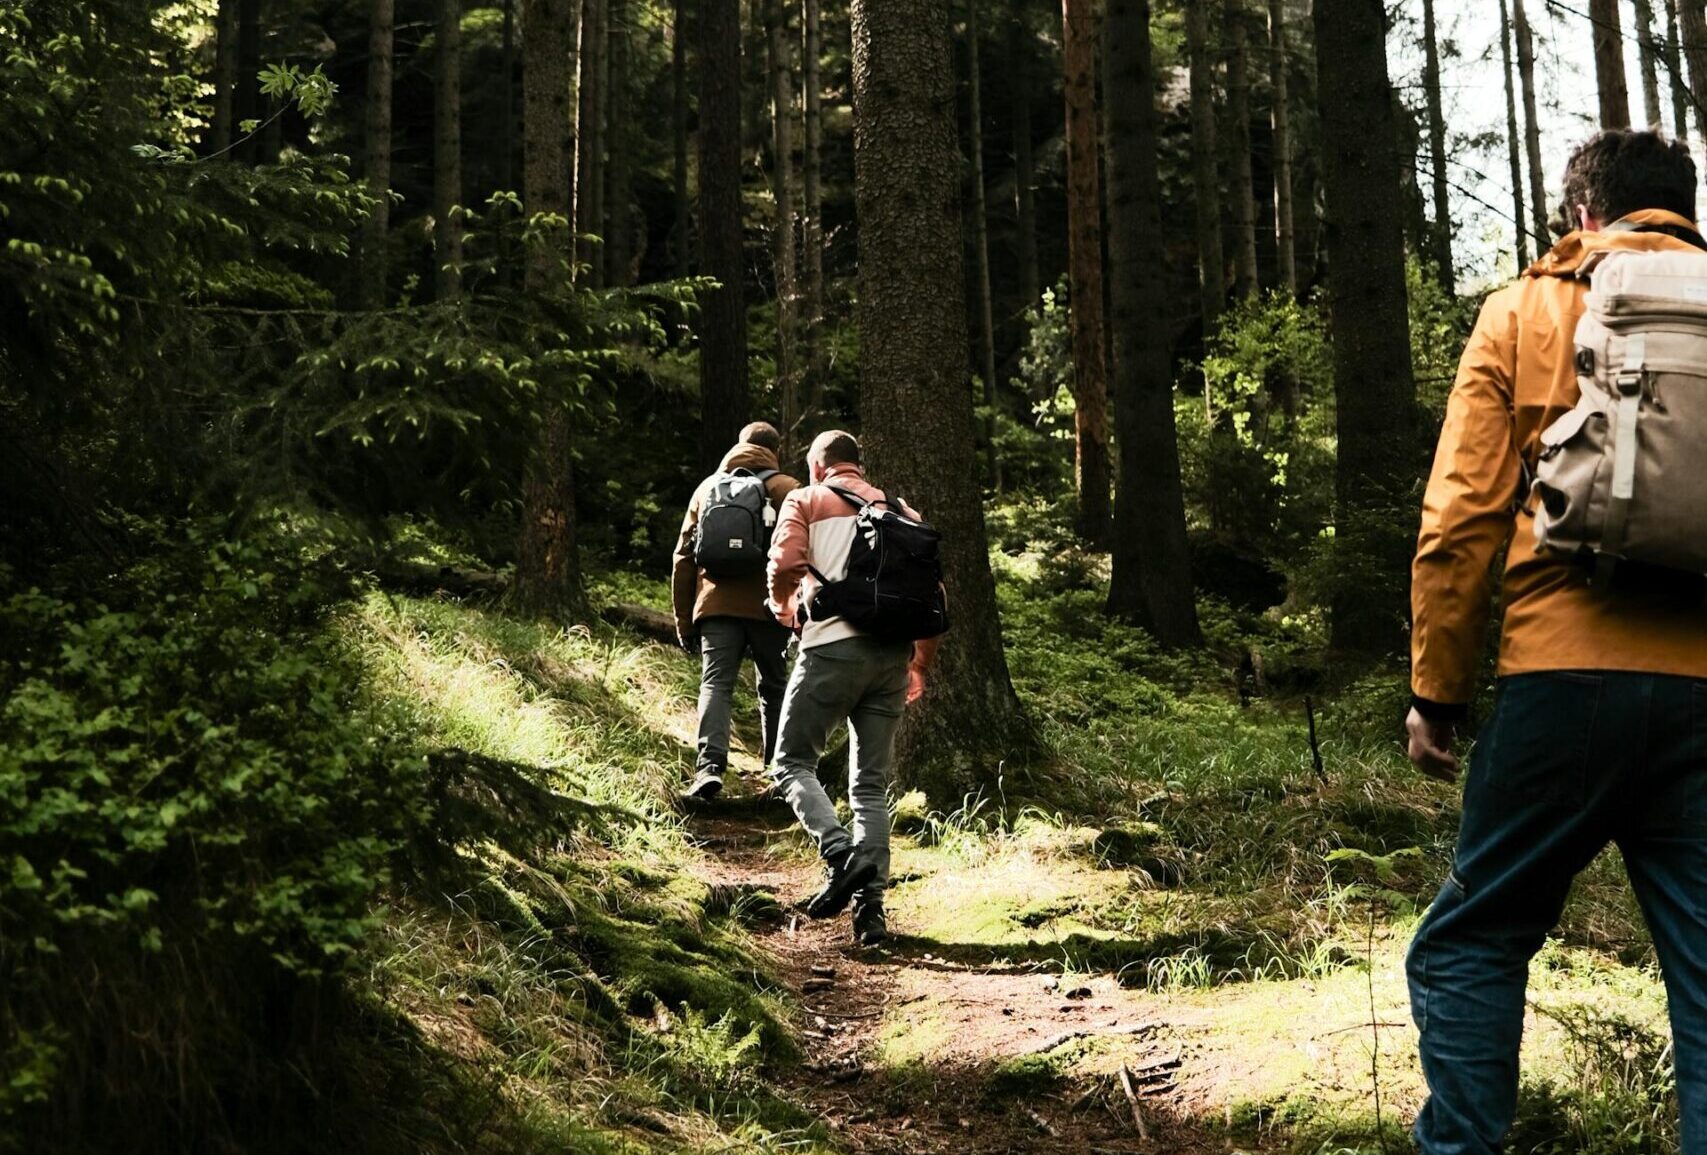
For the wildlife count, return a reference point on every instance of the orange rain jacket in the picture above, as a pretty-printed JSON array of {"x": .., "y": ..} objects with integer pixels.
[{"x": 1516, "y": 377}]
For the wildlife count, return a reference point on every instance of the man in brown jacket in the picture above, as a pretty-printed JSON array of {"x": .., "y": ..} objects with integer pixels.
[
  {"x": 1599, "y": 730},
  {"x": 725, "y": 618}
]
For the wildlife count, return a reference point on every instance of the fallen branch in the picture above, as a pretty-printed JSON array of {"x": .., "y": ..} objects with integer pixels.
[
  {"x": 1042, "y": 1124},
  {"x": 643, "y": 620},
  {"x": 1132, "y": 1099}
]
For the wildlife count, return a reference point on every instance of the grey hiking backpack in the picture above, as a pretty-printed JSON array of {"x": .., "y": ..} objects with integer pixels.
[
  {"x": 1622, "y": 477},
  {"x": 735, "y": 523}
]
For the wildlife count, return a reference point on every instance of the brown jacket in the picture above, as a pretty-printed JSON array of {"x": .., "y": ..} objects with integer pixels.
[
  {"x": 1516, "y": 377},
  {"x": 696, "y": 593}
]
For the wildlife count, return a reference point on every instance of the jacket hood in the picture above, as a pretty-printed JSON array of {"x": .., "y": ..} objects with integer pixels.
[
  {"x": 748, "y": 456},
  {"x": 1567, "y": 257}
]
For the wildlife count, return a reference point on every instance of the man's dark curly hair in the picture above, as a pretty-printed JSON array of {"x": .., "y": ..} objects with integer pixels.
[{"x": 1620, "y": 171}]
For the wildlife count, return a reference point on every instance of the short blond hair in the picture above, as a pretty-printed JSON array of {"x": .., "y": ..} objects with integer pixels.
[{"x": 836, "y": 447}]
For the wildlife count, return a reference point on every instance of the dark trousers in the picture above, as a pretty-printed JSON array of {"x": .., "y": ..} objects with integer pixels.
[
  {"x": 1568, "y": 763},
  {"x": 723, "y": 642}
]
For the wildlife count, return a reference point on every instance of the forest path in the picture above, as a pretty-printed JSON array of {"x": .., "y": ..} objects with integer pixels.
[{"x": 921, "y": 1046}]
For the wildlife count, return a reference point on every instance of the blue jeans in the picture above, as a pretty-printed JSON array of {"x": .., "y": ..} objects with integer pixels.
[{"x": 1568, "y": 763}]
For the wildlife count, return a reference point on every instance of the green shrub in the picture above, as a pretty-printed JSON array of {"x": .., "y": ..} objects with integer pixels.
[{"x": 197, "y": 806}]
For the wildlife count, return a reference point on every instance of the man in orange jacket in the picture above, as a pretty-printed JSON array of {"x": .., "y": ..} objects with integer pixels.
[
  {"x": 1599, "y": 730},
  {"x": 724, "y": 618}
]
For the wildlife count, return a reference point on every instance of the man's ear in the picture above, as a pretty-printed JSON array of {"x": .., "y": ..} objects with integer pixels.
[{"x": 1586, "y": 220}]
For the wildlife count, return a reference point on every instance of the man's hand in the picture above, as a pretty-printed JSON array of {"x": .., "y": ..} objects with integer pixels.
[
  {"x": 688, "y": 640},
  {"x": 1430, "y": 746},
  {"x": 784, "y": 615},
  {"x": 915, "y": 684}
]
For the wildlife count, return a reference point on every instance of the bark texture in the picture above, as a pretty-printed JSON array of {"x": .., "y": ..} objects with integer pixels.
[
  {"x": 981, "y": 246},
  {"x": 1514, "y": 154},
  {"x": 1205, "y": 172},
  {"x": 589, "y": 197},
  {"x": 915, "y": 404},
  {"x": 1241, "y": 192},
  {"x": 1647, "y": 54},
  {"x": 548, "y": 569},
  {"x": 1378, "y": 466},
  {"x": 447, "y": 153},
  {"x": 783, "y": 263},
  {"x": 621, "y": 127},
  {"x": 1025, "y": 163},
  {"x": 1609, "y": 64},
  {"x": 1531, "y": 126},
  {"x": 1084, "y": 261},
  {"x": 1674, "y": 71},
  {"x": 1441, "y": 248},
  {"x": 1151, "y": 578},
  {"x": 812, "y": 191},
  {"x": 680, "y": 238},
  {"x": 1692, "y": 25},
  {"x": 377, "y": 170},
  {"x": 224, "y": 77},
  {"x": 723, "y": 310},
  {"x": 246, "y": 90},
  {"x": 1285, "y": 237}
]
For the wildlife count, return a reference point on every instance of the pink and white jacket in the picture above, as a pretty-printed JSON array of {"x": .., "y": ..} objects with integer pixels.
[{"x": 815, "y": 531}]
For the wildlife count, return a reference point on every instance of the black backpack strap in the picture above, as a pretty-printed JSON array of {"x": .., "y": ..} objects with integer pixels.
[
  {"x": 855, "y": 499},
  {"x": 766, "y": 474}
]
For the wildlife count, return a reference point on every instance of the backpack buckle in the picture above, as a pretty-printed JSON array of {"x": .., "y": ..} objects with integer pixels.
[{"x": 1629, "y": 384}]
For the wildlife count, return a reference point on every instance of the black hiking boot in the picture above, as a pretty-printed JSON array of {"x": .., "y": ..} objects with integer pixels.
[
  {"x": 869, "y": 926},
  {"x": 707, "y": 784},
  {"x": 848, "y": 872}
]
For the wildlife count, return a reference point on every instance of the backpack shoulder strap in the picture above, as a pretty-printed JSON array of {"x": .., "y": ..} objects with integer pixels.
[
  {"x": 855, "y": 499},
  {"x": 766, "y": 474}
]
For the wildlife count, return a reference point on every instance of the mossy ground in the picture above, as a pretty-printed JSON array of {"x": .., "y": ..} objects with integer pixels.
[{"x": 628, "y": 986}]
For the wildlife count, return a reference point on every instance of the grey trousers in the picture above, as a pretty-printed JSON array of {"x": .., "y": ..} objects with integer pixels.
[
  {"x": 863, "y": 680},
  {"x": 723, "y": 642}
]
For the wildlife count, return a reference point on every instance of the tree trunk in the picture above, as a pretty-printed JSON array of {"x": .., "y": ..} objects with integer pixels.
[
  {"x": 246, "y": 91},
  {"x": 782, "y": 224},
  {"x": 619, "y": 241},
  {"x": 548, "y": 569},
  {"x": 507, "y": 126},
  {"x": 812, "y": 210},
  {"x": 680, "y": 232},
  {"x": 1609, "y": 64},
  {"x": 1284, "y": 237},
  {"x": 1376, "y": 465},
  {"x": 914, "y": 404},
  {"x": 981, "y": 247},
  {"x": 1151, "y": 577},
  {"x": 1205, "y": 173},
  {"x": 447, "y": 153},
  {"x": 1025, "y": 165},
  {"x": 226, "y": 26},
  {"x": 1513, "y": 153},
  {"x": 1674, "y": 69},
  {"x": 1244, "y": 204},
  {"x": 1647, "y": 52},
  {"x": 378, "y": 143},
  {"x": 1441, "y": 249},
  {"x": 1531, "y": 126},
  {"x": 1692, "y": 24},
  {"x": 1084, "y": 258},
  {"x": 590, "y": 150},
  {"x": 723, "y": 310}
]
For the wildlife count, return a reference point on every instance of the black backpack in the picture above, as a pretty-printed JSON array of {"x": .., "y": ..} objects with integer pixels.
[
  {"x": 893, "y": 585},
  {"x": 735, "y": 523}
]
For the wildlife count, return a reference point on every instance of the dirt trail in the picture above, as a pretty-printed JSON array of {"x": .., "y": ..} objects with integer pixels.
[{"x": 976, "y": 1091}]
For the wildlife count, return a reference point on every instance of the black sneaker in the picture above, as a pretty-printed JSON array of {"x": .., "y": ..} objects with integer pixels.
[
  {"x": 869, "y": 926},
  {"x": 849, "y": 872},
  {"x": 707, "y": 784}
]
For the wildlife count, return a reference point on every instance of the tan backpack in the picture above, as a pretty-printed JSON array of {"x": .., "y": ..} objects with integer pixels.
[{"x": 1623, "y": 475}]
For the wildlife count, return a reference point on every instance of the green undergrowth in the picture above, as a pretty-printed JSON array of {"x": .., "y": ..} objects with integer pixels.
[{"x": 592, "y": 981}]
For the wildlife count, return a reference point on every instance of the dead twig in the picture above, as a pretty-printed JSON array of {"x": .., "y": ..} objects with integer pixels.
[
  {"x": 1041, "y": 1123},
  {"x": 1132, "y": 1099}
]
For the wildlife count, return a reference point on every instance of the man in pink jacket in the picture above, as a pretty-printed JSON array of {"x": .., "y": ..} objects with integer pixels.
[{"x": 841, "y": 674}]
